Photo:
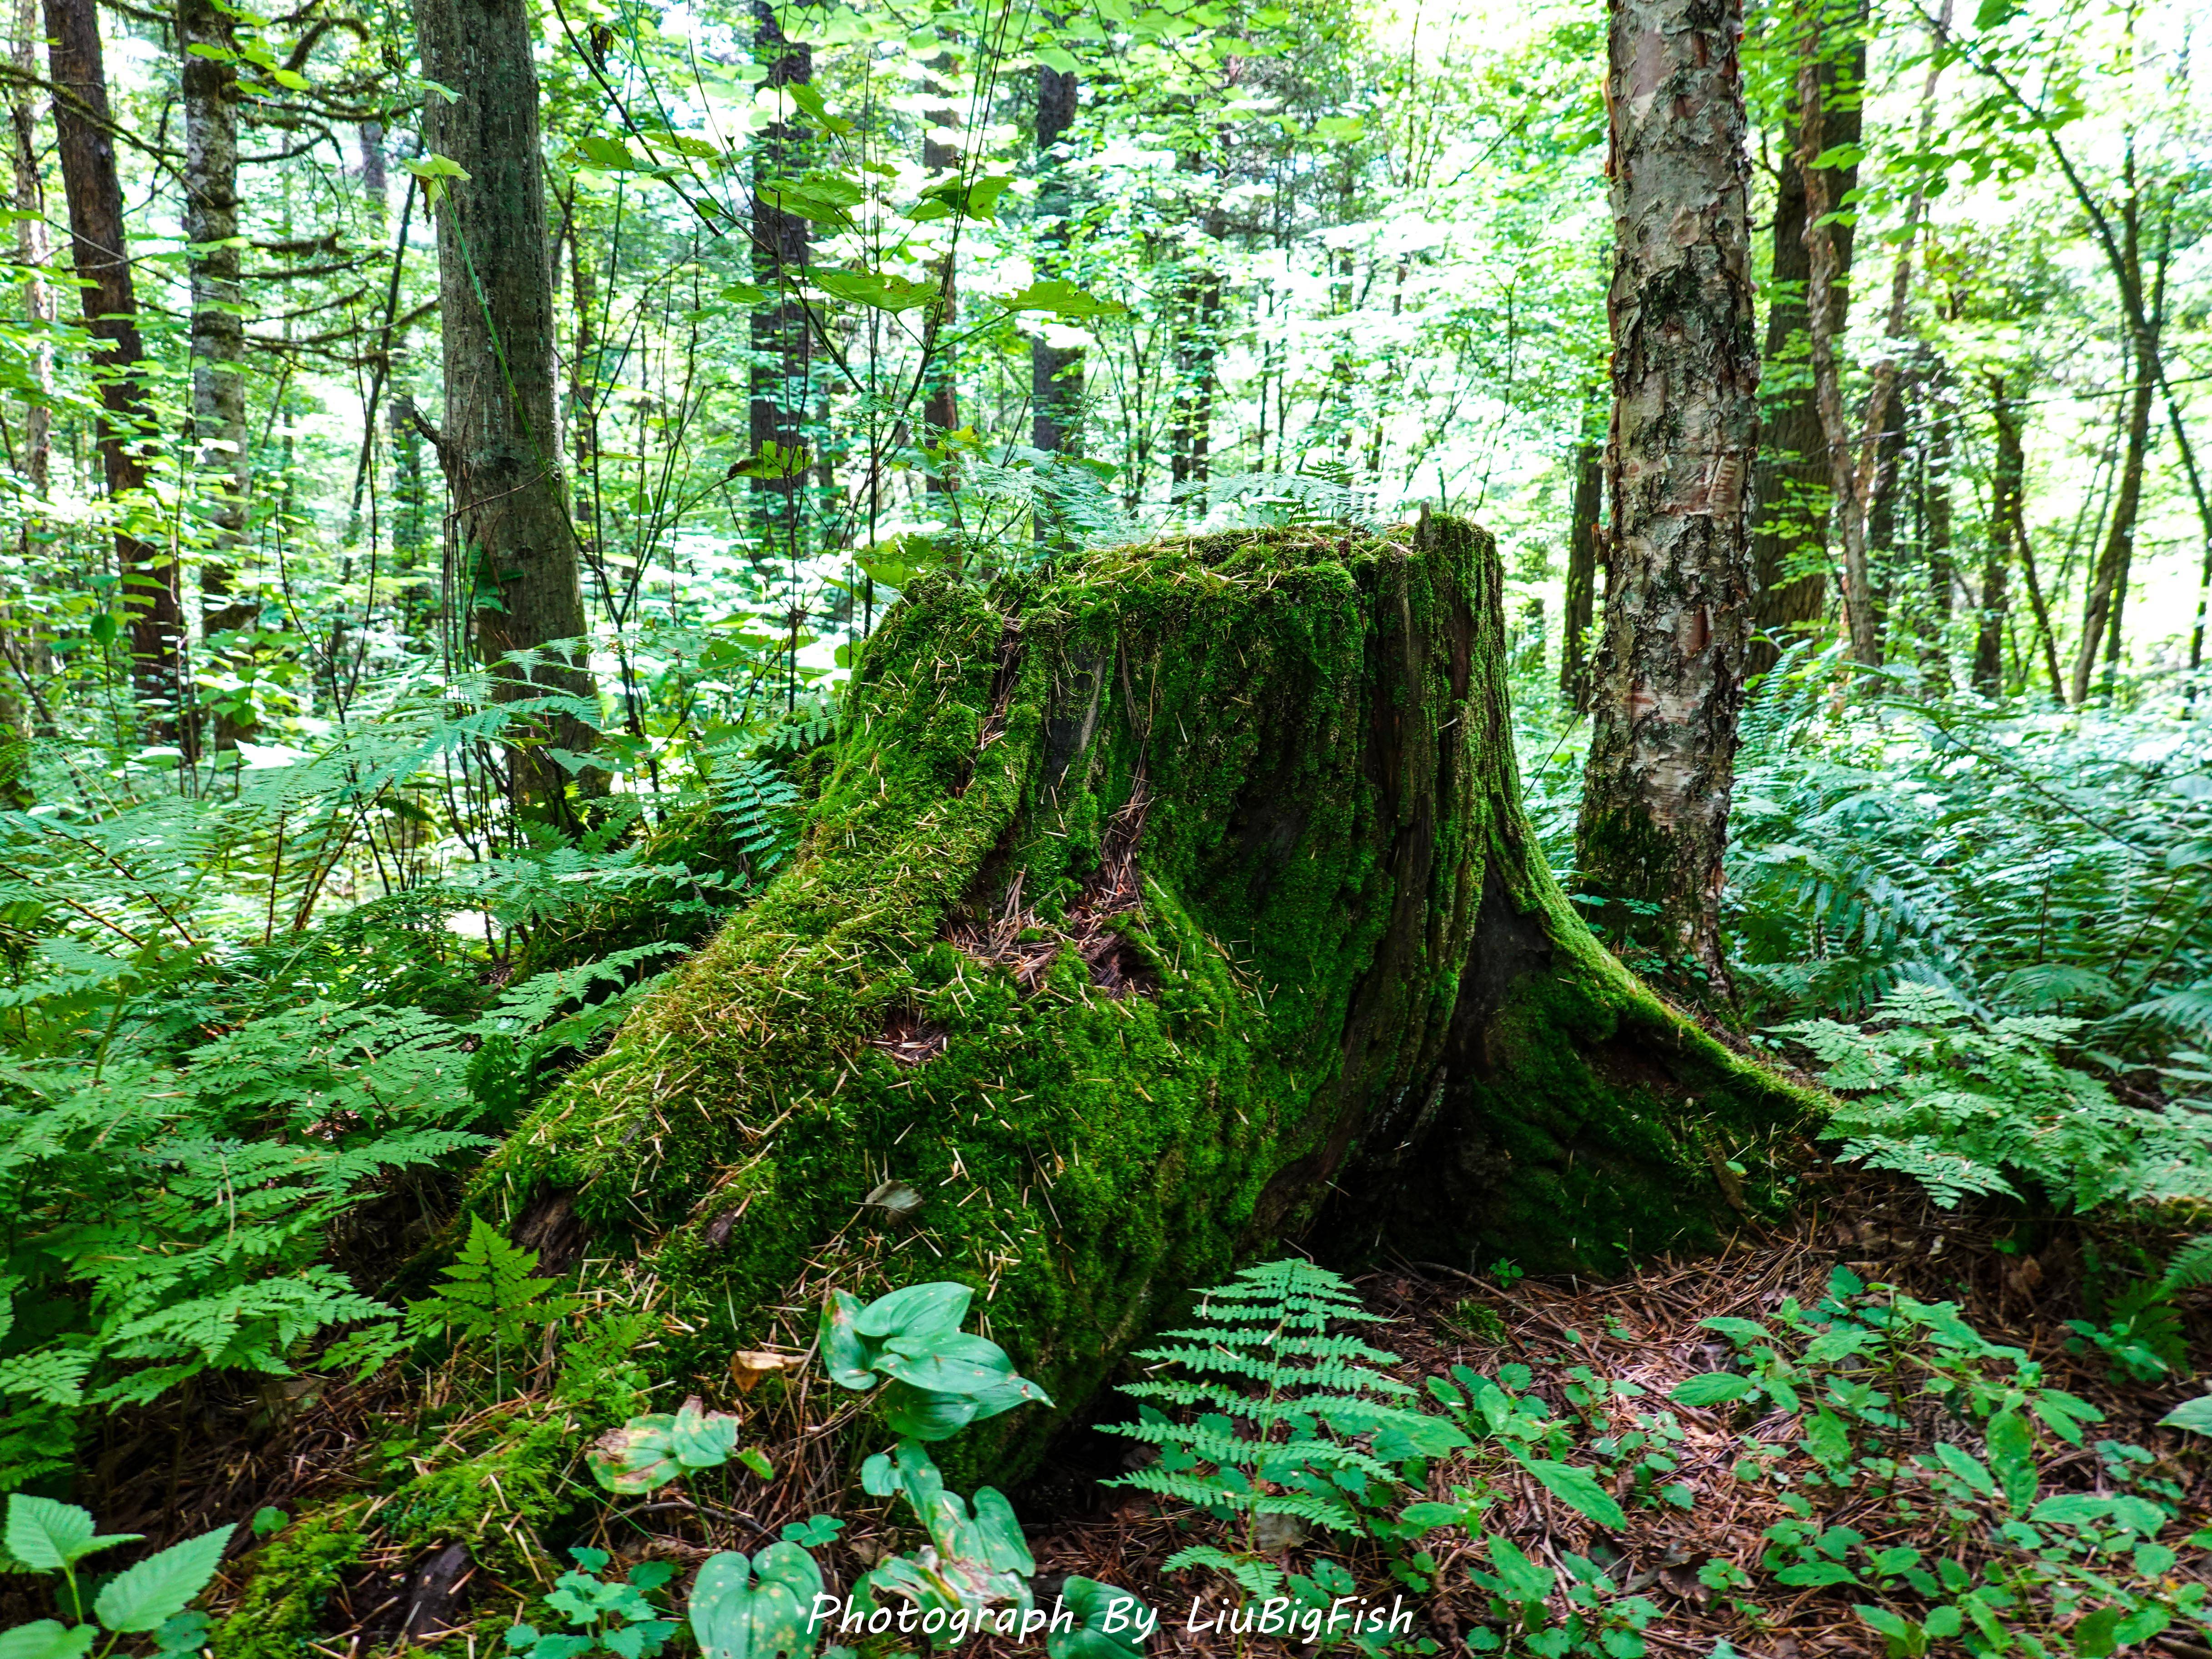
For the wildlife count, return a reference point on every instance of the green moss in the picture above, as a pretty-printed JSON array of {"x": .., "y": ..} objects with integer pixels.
[
  {"x": 501, "y": 1497},
  {"x": 289, "y": 1579},
  {"x": 1302, "y": 735}
]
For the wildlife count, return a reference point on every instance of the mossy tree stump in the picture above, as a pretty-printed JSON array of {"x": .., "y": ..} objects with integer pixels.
[{"x": 1158, "y": 906}]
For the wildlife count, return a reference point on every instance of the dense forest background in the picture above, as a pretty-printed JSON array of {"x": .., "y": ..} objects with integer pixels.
[{"x": 452, "y": 463}]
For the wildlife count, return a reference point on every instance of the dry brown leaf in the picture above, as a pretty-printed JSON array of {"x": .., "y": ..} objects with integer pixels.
[{"x": 751, "y": 1367}]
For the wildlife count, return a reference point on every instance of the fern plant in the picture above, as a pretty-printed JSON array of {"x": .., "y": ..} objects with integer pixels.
[
  {"x": 1270, "y": 1412},
  {"x": 490, "y": 1292},
  {"x": 1966, "y": 1106}
]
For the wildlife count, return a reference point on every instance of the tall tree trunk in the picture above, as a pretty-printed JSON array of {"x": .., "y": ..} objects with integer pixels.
[
  {"x": 1790, "y": 486},
  {"x": 218, "y": 327},
  {"x": 1853, "y": 457},
  {"x": 101, "y": 253},
  {"x": 33, "y": 249},
  {"x": 500, "y": 444},
  {"x": 1935, "y": 491},
  {"x": 1668, "y": 681},
  {"x": 19, "y": 653},
  {"x": 780, "y": 343},
  {"x": 1583, "y": 531},
  {"x": 940, "y": 391},
  {"x": 2006, "y": 483},
  {"x": 1055, "y": 372},
  {"x": 2101, "y": 608}
]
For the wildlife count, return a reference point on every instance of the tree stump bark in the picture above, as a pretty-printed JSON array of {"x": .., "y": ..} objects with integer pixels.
[{"x": 1161, "y": 906}]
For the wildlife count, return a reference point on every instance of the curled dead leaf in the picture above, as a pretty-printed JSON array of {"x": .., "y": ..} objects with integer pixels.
[
  {"x": 897, "y": 1201},
  {"x": 750, "y": 1368}
]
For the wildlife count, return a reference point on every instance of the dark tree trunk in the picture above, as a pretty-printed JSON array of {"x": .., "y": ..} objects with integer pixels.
[
  {"x": 1935, "y": 493},
  {"x": 1790, "y": 487},
  {"x": 1583, "y": 531},
  {"x": 218, "y": 327},
  {"x": 500, "y": 444},
  {"x": 31, "y": 248},
  {"x": 1055, "y": 372},
  {"x": 781, "y": 343},
  {"x": 101, "y": 253},
  {"x": 2006, "y": 482},
  {"x": 940, "y": 395},
  {"x": 1668, "y": 681}
]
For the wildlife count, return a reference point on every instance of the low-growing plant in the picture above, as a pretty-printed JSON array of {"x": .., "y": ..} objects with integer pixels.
[
  {"x": 154, "y": 1598},
  {"x": 603, "y": 1615},
  {"x": 1279, "y": 1419}
]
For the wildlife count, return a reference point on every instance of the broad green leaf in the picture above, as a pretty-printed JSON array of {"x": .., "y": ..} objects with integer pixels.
[
  {"x": 612, "y": 154},
  {"x": 1579, "y": 1490},
  {"x": 2011, "y": 1446},
  {"x": 702, "y": 1439},
  {"x": 47, "y": 1639},
  {"x": 947, "y": 1363},
  {"x": 720, "y": 1609},
  {"x": 1108, "y": 1623},
  {"x": 1062, "y": 299},
  {"x": 918, "y": 1415},
  {"x": 2195, "y": 1415},
  {"x": 146, "y": 1597},
  {"x": 882, "y": 290},
  {"x": 1518, "y": 1578},
  {"x": 916, "y": 1310},
  {"x": 959, "y": 198},
  {"x": 47, "y": 1536},
  {"x": 844, "y": 1355},
  {"x": 1968, "y": 1468},
  {"x": 1809, "y": 1573},
  {"x": 1712, "y": 1388}
]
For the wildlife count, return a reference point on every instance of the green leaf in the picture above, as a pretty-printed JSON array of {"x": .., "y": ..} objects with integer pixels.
[
  {"x": 844, "y": 1355},
  {"x": 947, "y": 1363},
  {"x": 1995, "y": 14},
  {"x": 959, "y": 198},
  {"x": 2194, "y": 1415},
  {"x": 1063, "y": 62},
  {"x": 1579, "y": 1490},
  {"x": 1808, "y": 1573},
  {"x": 2011, "y": 1446},
  {"x": 1713, "y": 1388},
  {"x": 881, "y": 290},
  {"x": 47, "y": 1639},
  {"x": 146, "y": 1597},
  {"x": 47, "y": 1536},
  {"x": 1968, "y": 1468},
  {"x": 916, "y": 1310},
  {"x": 2082, "y": 1508},
  {"x": 611, "y": 154},
  {"x": 720, "y": 1609},
  {"x": 1062, "y": 298},
  {"x": 701, "y": 1439},
  {"x": 914, "y": 1414},
  {"x": 1108, "y": 1623},
  {"x": 2095, "y": 1637}
]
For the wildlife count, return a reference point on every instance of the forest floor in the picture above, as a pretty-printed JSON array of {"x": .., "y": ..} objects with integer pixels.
[{"x": 1647, "y": 1328}]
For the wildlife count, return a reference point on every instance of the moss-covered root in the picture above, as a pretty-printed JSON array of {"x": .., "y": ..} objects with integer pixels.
[{"x": 1145, "y": 897}]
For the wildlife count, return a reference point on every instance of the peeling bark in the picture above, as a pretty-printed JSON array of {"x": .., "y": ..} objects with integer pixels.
[{"x": 1669, "y": 680}]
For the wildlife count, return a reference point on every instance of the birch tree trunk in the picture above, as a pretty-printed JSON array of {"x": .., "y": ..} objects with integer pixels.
[
  {"x": 500, "y": 444},
  {"x": 100, "y": 253},
  {"x": 1668, "y": 681},
  {"x": 209, "y": 78},
  {"x": 1582, "y": 536}
]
